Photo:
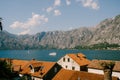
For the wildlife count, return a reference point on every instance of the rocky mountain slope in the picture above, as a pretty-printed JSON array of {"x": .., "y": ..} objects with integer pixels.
[{"x": 106, "y": 31}]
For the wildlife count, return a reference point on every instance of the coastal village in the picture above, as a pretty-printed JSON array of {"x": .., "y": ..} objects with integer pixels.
[
  {"x": 69, "y": 67},
  {"x": 60, "y": 26}
]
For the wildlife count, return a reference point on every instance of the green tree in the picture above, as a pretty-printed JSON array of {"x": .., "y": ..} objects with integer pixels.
[
  {"x": 26, "y": 77},
  {"x": 5, "y": 70}
]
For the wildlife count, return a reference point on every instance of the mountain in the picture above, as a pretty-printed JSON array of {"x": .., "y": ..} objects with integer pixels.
[
  {"x": 107, "y": 31},
  {"x": 66, "y": 39},
  {"x": 8, "y": 41}
]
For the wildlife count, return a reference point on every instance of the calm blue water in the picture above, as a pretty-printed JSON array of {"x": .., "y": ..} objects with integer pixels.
[{"x": 44, "y": 54}]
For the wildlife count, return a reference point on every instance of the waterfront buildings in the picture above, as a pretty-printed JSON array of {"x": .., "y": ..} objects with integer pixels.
[
  {"x": 95, "y": 67},
  {"x": 69, "y": 67},
  {"x": 77, "y": 62}
]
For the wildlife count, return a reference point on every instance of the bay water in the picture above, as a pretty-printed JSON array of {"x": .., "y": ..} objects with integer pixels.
[{"x": 44, "y": 55}]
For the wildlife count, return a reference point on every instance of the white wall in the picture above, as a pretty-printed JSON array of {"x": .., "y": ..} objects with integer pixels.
[
  {"x": 35, "y": 78},
  {"x": 97, "y": 71},
  {"x": 20, "y": 75},
  {"x": 70, "y": 64},
  {"x": 117, "y": 74}
]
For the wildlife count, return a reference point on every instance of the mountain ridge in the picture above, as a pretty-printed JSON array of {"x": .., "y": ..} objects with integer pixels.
[{"x": 106, "y": 31}]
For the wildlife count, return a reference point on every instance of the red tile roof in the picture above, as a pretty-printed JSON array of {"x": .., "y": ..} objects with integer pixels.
[
  {"x": 79, "y": 58},
  {"x": 63, "y": 75},
  {"x": 46, "y": 67},
  {"x": 24, "y": 65},
  {"x": 74, "y": 75},
  {"x": 16, "y": 64},
  {"x": 19, "y": 63},
  {"x": 96, "y": 64}
]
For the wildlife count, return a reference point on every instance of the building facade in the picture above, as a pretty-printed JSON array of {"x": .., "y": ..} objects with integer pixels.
[
  {"x": 76, "y": 62},
  {"x": 94, "y": 67},
  {"x": 36, "y": 70},
  {"x": 64, "y": 74}
]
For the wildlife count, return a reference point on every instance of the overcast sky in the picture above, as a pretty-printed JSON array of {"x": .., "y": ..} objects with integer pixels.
[{"x": 33, "y": 16}]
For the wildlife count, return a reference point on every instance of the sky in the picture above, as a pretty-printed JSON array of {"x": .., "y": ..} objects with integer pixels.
[{"x": 32, "y": 16}]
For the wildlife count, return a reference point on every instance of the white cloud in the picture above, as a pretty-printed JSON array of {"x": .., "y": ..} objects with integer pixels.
[
  {"x": 53, "y": 10},
  {"x": 90, "y": 3},
  {"x": 70, "y": 28},
  {"x": 16, "y": 24},
  {"x": 57, "y": 12},
  {"x": 24, "y": 32},
  {"x": 68, "y": 2},
  {"x": 31, "y": 22},
  {"x": 57, "y": 2},
  {"x": 49, "y": 9},
  {"x": 54, "y": 7}
]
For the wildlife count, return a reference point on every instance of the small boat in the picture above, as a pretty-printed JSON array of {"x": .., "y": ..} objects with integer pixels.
[{"x": 53, "y": 54}]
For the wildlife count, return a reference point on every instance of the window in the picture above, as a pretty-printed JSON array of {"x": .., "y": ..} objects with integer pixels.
[
  {"x": 72, "y": 61},
  {"x": 66, "y": 67},
  {"x": 30, "y": 66},
  {"x": 41, "y": 68},
  {"x": 63, "y": 59},
  {"x": 68, "y": 59},
  {"x": 55, "y": 69},
  {"x": 36, "y": 69},
  {"x": 73, "y": 68},
  {"x": 33, "y": 79}
]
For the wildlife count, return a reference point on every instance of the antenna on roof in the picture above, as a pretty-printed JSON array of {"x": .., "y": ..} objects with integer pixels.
[
  {"x": 1, "y": 19},
  {"x": 33, "y": 59},
  {"x": 1, "y": 24}
]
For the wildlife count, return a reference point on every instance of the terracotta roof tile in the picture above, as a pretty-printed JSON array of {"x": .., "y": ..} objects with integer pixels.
[
  {"x": 80, "y": 59},
  {"x": 46, "y": 67},
  {"x": 77, "y": 75},
  {"x": 96, "y": 64},
  {"x": 63, "y": 75},
  {"x": 22, "y": 63},
  {"x": 117, "y": 66},
  {"x": 18, "y": 64}
]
